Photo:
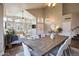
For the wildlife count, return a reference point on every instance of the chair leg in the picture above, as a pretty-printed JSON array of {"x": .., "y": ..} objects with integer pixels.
[
  {"x": 69, "y": 49},
  {"x": 64, "y": 53},
  {"x": 47, "y": 55}
]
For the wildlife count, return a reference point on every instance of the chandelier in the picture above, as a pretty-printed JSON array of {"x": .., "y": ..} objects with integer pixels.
[{"x": 51, "y": 4}]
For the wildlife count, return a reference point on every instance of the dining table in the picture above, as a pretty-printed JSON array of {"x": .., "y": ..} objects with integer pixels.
[{"x": 44, "y": 45}]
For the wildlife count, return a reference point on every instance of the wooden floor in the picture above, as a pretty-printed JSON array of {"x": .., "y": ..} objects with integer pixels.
[
  {"x": 14, "y": 50},
  {"x": 18, "y": 48}
]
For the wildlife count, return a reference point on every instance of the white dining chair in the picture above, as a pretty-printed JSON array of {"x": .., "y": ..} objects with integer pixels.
[
  {"x": 62, "y": 48},
  {"x": 69, "y": 43},
  {"x": 66, "y": 46},
  {"x": 26, "y": 50},
  {"x": 60, "y": 51}
]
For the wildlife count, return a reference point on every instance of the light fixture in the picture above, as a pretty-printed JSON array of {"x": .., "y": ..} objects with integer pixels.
[
  {"x": 49, "y": 4},
  {"x": 52, "y": 4}
]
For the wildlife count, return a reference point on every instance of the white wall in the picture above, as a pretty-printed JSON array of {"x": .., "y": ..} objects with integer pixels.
[
  {"x": 36, "y": 12},
  {"x": 75, "y": 22},
  {"x": 54, "y": 15},
  {"x": 1, "y": 31},
  {"x": 70, "y": 8}
]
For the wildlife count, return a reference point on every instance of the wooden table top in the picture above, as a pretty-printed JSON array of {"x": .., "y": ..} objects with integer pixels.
[{"x": 43, "y": 45}]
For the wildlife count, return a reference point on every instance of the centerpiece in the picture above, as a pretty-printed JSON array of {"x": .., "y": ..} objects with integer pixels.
[{"x": 55, "y": 32}]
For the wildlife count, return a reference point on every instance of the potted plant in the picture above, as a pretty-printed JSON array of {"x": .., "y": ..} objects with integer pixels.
[
  {"x": 8, "y": 36},
  {"x": 59, "y": 30}
]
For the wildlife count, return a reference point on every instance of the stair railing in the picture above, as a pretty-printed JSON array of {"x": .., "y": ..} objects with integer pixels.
[{"x": 77, "y": 27}]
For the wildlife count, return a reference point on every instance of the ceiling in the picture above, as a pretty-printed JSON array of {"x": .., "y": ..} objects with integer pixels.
[
  {"x": 26, "y": 5},
  {"x": 35, "y": 5},
  {"x": 15, "y": 9}
]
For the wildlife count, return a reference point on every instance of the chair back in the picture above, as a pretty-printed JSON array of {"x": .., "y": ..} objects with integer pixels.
[
  {"x": 63, "y": 47},
  {"x": 68, "y": 41},
  {"x": 26, "y": 50}
]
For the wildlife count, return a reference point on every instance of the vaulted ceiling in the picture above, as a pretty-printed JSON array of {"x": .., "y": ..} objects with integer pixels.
[
  {"x": 15, "y": 9},
  {"x": 26, "y": 5}
]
